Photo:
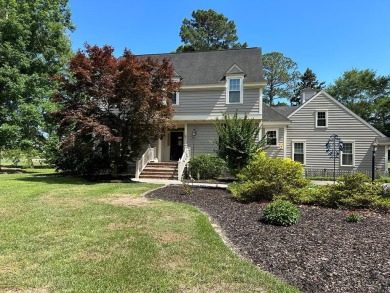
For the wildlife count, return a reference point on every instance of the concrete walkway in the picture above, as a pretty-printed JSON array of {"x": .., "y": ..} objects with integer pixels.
[{"x": 212, "y": 185}]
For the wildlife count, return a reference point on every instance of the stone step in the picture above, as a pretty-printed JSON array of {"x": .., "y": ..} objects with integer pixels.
[
  {"x": 161, "y": 164},
  {"x": 147, "y": 171},
  {"x": 160, "y": 170},
  {"x": 158, "y": 176}
]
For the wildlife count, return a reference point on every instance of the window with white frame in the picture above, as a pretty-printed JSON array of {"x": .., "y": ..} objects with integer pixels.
[
  {"x": 235, "y": 90},
  {"x": 321, "y": 119},
  {"x": 347, "y": 156},
  {"x": 299, "y": 152},
  {"x": 272, "y": 136},
  {"x": 175, "y": 98}
]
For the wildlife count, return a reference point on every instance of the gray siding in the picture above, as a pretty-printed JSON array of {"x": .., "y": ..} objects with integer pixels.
[
  {"x": 202, "y": 143},
  {"x": 274, "y": 151},
  {"x": 340, "y": 122},
  {"x": 212, "y": 103}
]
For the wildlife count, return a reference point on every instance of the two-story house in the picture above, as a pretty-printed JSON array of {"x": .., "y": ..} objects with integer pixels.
[{"x": 226, "y": 81}]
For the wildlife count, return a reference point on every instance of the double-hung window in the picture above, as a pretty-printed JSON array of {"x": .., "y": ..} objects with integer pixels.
[
  {"x": 299, "y": 152},
  {"x": 347, "y": 157},
  {"x": 175, "y": 98},
  {"x": 272, "y": 136},
  {"x": 235, "y": 90},
  {"x": 321, "y": 119}
]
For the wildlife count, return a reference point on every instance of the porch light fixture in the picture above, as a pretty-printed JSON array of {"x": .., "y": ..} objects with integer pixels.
[
  {"x": 374, "y": 146},
  {"x": 194, "y": 132}
]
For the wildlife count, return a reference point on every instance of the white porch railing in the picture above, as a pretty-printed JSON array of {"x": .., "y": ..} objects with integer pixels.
[
  {"x": 183, "y": 161},
  {"x": 149, "y": 155}
]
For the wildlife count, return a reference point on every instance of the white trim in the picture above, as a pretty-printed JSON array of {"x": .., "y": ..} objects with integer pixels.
[
  {"x": 316, "y": 119},
  {"x": 294, "y": 141},
  {"x": 185, "y": 134},
  {"x": 261, "y": 101},
  {"x": 159, "y": 150},
  {"x": 285, "y": 142},
  {"x": 276, "y": 123},
  {"x": 341, "y": 106},
  {"x": 231, "y": 69},
  {"x": 386, "y": 158},
  {"x": 205, "y": 117},
  {"x": 177, "y": 99},
  {"x": 277, "y": 135},
  {"x": 353, "y": 154},
  {"x": 220, "y": 86},
  {"x": 241, "y": 79}
]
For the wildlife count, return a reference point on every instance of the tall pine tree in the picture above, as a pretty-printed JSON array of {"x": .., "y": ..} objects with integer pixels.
[
  {"x": 208, "y": 30},
  {"x": 307, "y": 80}
]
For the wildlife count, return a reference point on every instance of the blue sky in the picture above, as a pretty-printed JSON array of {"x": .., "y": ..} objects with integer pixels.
[{"x": 328, "y": 36}]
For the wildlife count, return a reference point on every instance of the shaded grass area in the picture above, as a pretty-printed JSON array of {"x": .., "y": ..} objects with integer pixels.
[{"x": 64, "y": 234}]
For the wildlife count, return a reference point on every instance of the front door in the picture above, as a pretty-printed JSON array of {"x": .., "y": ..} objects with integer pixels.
[{"x": 176, "y": 145}]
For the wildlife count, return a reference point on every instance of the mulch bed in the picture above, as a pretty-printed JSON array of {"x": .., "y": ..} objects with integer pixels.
[{"x": 322, "y": 253}]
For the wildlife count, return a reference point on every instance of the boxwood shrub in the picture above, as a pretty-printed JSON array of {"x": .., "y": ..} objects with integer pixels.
[
  {"x": 206, "y": 166},
  {"x": 281, "y": 213}
]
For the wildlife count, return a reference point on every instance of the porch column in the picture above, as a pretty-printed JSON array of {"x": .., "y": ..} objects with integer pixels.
[
  {"x": 159, "y": 150},
  {"x": 185, "y": 142},
  {"x": 285, "y": 142}
]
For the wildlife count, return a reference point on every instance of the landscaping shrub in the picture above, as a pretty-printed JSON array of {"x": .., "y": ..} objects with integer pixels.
[
  {"x": 265, "y": 178},
  {"x": 353, "y": 217},
  {"x": 281, "y": 213},
  {"x": 206, "y": 166},
  {"x": 351, "y": 191}
]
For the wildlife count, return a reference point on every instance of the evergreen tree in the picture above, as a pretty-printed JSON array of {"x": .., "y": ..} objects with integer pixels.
[
  {"x": 208, "y": 30},
  {"x": 307, "y": 80},
  {"x": 281, "y": 73}
]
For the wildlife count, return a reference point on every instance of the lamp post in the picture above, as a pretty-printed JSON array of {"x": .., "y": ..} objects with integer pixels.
[
  {"x": 374, "y": 148},
  {"x": 193, "y": 141}
]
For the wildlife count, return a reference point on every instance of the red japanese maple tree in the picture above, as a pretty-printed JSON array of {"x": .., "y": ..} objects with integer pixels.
[{"x": 110, "y": 108}]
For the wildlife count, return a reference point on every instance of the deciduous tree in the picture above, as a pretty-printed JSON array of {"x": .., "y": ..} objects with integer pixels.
[
  {"x": 34, "y": 46},
  {"x": 208, "y": 30},
  {"x": 366, "y": 94},
  {"x": 111, "y": 109},
  {"x": 281, "y": 74}
]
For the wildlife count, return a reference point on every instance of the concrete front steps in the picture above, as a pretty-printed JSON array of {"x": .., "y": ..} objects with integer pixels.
[{"x": 160, "y": 170}]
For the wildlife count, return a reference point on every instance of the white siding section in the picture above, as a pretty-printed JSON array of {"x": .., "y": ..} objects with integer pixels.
[{"x": 340, "y": 122}]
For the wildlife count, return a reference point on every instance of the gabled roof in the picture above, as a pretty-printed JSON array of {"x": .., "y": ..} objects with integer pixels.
[
  {"x": 271, "y": 115},
  {"x": 210, "y": 67},
  {"x": 340, "y": 105}
]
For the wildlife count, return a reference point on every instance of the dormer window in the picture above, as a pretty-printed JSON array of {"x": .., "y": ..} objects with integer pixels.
[
  {"x": 234, "y": 85},
  {"x": 234, "y": 90}
]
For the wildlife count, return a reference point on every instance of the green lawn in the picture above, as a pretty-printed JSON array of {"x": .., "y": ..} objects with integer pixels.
[{"x": 63, "y": 234}]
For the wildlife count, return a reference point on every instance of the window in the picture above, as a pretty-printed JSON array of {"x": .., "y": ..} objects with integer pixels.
[
  {"x": 272, "y": 136},
  {"x": 321, "y": 119},
  {"x": 299, "y": 152},
  {"x": 175, "y": 98},
  {"x": 347, "y": 154},
  {"x": 234, "y": 90}
]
